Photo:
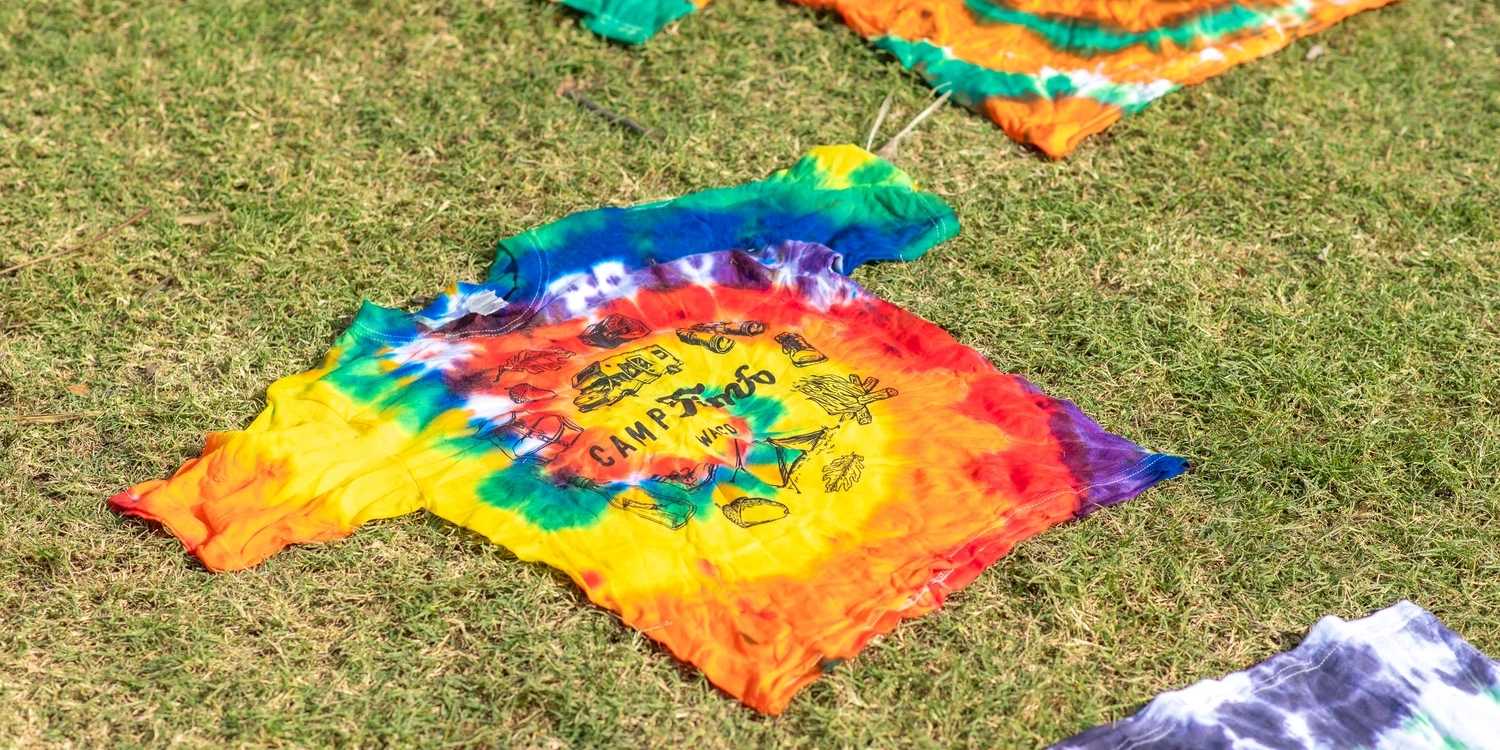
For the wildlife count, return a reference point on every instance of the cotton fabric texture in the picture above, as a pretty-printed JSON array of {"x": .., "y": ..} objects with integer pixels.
[
  {"x": 743, "y": 453},
  {"x": 1049, "y": 72},
  {"x": 1395, "y": 680}
]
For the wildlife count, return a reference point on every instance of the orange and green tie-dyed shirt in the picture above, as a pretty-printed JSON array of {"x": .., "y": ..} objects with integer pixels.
[
  {"x": 744, "y": 454},
  {"x": 1050, "y": 72}
]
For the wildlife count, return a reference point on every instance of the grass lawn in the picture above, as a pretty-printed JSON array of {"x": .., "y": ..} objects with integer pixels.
[{"x": 1290, "y": 275}]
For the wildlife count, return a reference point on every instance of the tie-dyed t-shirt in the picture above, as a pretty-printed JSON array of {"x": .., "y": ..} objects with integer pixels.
[
  {"x": 1050, "y": 72},
  {"x": 843, "y": 197},
  {"x": 1396, "y": 680},
  {"x": 748, "y": 457}
]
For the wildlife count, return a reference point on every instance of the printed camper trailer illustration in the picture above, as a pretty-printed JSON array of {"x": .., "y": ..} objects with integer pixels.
[{"x": 610, "y": 379}]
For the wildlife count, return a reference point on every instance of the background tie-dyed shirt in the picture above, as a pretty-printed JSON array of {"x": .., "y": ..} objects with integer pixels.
[
  {"x": 748, "y": 457},
  {"x": 1050, "y": 72},
  {"x": 1396, "y": 680}
]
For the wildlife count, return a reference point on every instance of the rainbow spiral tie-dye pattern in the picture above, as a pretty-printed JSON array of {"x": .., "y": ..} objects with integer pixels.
[
  {"x": 1050, "y": 72},
  {"x": 744, "y": 454},
  {"x": 1395, "y": 680}
]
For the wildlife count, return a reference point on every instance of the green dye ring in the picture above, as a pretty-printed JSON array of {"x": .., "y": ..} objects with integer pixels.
[
  {"x": 972, "y": 84},
  {"x": 412, "y": 405},
  {"x": 878, "y": 172},
  {"x": 544, "y": 503},
  {"x": 1088, "y": 38},
  {"x": 759, "y": 412}
]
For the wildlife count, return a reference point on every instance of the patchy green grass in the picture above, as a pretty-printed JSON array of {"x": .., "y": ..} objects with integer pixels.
[{"x": 1290, "y": 274}]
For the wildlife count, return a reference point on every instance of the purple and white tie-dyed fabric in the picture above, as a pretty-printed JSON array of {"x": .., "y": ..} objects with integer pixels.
[{"x": 1395, "y": 679}]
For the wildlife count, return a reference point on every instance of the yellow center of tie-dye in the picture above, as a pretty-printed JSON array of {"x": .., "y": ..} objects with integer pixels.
[
  {"x": 756, "y": 447},
  {"x": 678, "y": 441}
]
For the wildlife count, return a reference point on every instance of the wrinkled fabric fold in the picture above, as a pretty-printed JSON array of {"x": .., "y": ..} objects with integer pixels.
[
  {"x": 742, "y": 452},
  {"x": 843, "y": 197},
  {"x": 1395, "y": 680},
  {"x": 1053, "y": 72},
  {"x": 748, "y": 457}
]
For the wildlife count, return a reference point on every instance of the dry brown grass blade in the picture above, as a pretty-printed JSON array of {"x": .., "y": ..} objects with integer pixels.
[
  {"x": 885, "y": 109},
  {"x": 100, "y": 237},
  {"x": 50, "y": 418},
  {"x": 198, "y": 220},
  {"x": 888, "y": 151}
]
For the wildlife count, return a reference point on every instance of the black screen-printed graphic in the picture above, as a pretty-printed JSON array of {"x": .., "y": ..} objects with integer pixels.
[
  {"x": 745, "y": 512},
  {"x": 843, "y": 472},
  {"x": 534, "y": 361},
  {"x": 791, "y": 453},
  {"x": 715, "y": 337},
  {"x": 523, "y": 393},
  {"x": 613, "y": 330},
  {"x": 669, "y": 511},
  {"x": 798, "y": 350},
  {"x": 539, "y": 438},
  {"x": 690, "y": 398},
  {"x": 659, "y": 503},
  {"x": 844, "y": 398},
  {"x": 611, "y": 379},
  {"x": 733, "y": 328},
  {"x": 711, "y": 341},
  {"x": 691, "y": 478}
]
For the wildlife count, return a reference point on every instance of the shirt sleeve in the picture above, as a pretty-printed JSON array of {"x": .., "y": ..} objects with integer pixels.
[{"x": 329, "y": 452}]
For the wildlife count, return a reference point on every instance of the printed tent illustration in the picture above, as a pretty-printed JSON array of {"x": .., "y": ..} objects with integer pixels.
[
  {"x": 743, "y": 453},
  {"x": 1049, "y": 72}
]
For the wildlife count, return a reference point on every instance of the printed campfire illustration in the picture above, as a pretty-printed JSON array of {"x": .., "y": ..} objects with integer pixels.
[{"x": 844, "y": 399}]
